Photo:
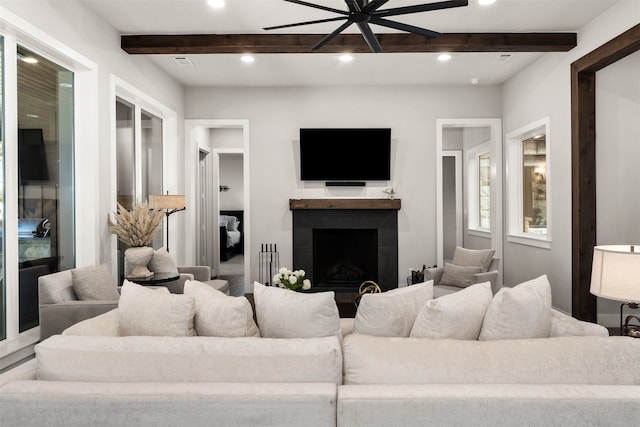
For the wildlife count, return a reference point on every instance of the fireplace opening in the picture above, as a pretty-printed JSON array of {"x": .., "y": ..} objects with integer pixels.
[{"x": 344, "y": 257}]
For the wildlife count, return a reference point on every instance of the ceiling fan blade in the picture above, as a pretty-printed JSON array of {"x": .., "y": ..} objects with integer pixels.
[
  {"x": 369, "y": 37},
  {"x": 404, "y": 27},
  {"x": 374, "y": 5},
  {"x": 353, "y": 5},
  {"x": 317, "y": 6},
  {"x": 318, "y": 21},
  {"x": 331, "y": 36},
  {"x": 421, "y": 8}
]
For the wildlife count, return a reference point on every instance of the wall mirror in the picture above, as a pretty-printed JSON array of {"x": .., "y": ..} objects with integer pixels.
[{"x": 469, "y": 186}]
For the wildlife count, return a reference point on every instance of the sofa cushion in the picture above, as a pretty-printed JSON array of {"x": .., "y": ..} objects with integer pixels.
[
  {"x": 219, "y": 315},
  {"x": 392, "y": 313},
  {"x": 94, "y": 283},
  {"x": 457, "y": 316},
  {"x": 473, "y": 257},
  {"x": 189, "y": 359},
  {"x": 162, "y": 262},
  {"x": 143, "y": 311},
  {"x": 523, "y": 311},
  {"x": 563, "y": 360},
  {"x": 282, "y": 313},
  {"x": 460, "y": 275}
]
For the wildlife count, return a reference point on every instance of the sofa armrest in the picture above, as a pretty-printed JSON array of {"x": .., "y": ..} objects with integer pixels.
[
  {"x": 23, "y": 372},
  {"x": 563, "y": 325},
  {"x": 489, "y": 276},
  {"x": 201, "y": 273},
  {"x": 55, "y": 318},
  {"x": 433, "y": 273}
]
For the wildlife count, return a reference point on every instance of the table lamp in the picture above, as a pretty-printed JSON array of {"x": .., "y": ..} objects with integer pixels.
[
  {"x": 169, "y": 204},
  {"x": 616, "y": 275}
]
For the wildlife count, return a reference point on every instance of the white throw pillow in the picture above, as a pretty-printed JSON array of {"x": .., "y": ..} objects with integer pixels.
[
  {"x": 392, "y": 313},
  {"x": 219, "y": 315},
  {"x": 94, "y": 283},
  {"x": 162, "y": 262},
  {"x": 523, "y": 311},
  {"x": 282, "y": 313},
  {"x": 455, "y": 316},
  {"x": 143, "y": 311},
  {"x": 460, "y": 275},
  {"x": 473, "y": 257}
]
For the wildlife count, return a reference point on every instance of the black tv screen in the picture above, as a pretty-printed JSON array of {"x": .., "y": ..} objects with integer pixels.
[
  {"x": 345, "y": 154},
  {"x": 32, "y": 156}
]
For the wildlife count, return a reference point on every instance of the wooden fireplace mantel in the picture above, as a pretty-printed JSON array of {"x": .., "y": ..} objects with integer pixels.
[{"x": 344, "y": 204}]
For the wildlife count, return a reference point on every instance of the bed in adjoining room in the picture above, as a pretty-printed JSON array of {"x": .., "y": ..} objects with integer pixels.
[{"x": 231, "y": 234}]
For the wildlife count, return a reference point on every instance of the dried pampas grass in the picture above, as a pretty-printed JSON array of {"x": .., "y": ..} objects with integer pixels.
[{"x": 136, "y": 227}]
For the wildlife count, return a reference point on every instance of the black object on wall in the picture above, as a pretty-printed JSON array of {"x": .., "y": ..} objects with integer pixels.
[{"x": 32, "y": 156}]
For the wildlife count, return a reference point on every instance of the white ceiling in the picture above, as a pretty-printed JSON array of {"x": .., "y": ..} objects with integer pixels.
[{"x": 250, "y": 16}]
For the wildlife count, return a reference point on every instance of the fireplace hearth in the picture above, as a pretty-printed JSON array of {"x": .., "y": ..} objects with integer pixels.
[{"x": 341, "y": 243}]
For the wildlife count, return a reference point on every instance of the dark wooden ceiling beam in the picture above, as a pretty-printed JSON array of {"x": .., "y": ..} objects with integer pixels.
[{"x": 354, "y": 43}]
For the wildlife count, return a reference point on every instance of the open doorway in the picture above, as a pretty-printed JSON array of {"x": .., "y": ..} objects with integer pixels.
[{"x": 221, "y": 220}]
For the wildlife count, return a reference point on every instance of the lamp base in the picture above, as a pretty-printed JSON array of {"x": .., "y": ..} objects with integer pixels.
[{"x": 628, "y": 328}]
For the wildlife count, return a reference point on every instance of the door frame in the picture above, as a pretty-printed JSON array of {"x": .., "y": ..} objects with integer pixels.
[{"x": 191, "y": 163}]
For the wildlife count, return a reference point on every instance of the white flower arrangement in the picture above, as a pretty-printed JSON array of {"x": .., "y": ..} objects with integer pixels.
[{"x": 293, "y": 280}]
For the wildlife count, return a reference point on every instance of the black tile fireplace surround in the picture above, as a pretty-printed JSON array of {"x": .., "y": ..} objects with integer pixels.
[{"x": 320, "y": 216}]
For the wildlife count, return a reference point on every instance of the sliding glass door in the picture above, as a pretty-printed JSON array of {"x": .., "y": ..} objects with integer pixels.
[{"x": 46, "y": 223}]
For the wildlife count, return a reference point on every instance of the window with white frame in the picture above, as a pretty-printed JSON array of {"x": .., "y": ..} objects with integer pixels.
[
  {"x": 479, "y": 188},
  {"x": 528, "y": 184}
]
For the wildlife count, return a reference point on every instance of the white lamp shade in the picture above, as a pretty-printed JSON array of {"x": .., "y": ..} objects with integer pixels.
[{"x": 616, "y": 273}]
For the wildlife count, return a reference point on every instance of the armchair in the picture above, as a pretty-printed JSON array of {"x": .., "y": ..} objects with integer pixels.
[
  {"x": 468, "y": 267},
  {"x": 59, "y": 306}
]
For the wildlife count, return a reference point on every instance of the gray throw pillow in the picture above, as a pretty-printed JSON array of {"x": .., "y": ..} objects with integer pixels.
[
  {"x": 93, "y": 283},
  {"x": 460, "y": 275},
  {"x": 162, "y": 262},
  {"x": 473, "y": 257}
]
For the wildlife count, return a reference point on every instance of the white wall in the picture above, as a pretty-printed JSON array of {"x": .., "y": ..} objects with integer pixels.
[
  {"x": 618, "y": 154},
  {"x": 71, "y": 23},
  {"x": 275, "y": 116},
  {"x": 543, "y": 89}
]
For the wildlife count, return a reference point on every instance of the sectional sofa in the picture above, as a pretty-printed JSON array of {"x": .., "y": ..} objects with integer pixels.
[{"x": 96, "y": 373}]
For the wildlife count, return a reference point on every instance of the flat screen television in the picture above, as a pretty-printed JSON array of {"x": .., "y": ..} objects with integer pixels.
[
  {"x": 345, "y": 154},
  {"x": 32, "y": 156}
]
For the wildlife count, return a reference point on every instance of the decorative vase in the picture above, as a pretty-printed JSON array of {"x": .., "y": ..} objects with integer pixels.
[{"x": 137, "y": 258}]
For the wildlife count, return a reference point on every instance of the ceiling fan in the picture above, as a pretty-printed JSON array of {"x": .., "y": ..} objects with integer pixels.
[{"x": 365, "y": 12}]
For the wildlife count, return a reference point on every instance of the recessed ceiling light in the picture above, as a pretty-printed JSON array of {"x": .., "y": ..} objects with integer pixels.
[
  {"x": 66, "y": 85},
  {"x": 486, "y": 2},
  {"x": 29, "y": 60},
  {"x": 444, "y": 57},
  {"x": 33, "y": 116},
  {"x": 216, "y": 3},
  {"x": 346, "y": 58},
  {"x": 247, "y": 58},
  {"x": 474, "y": 81}
]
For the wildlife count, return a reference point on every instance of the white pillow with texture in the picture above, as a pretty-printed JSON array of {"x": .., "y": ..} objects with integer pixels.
[
  {"x": 473, "y": 257},
  {"x": 392, "y": 313},
  {"x": 144, "y": 311},
  {"x": 282, "y": 313},
  {"x": 219, "y": 315},
  {"x": 456, "y": 316},
  {"x": 162, "y": 262},
  {"x": 523, "y": 311},
  {"x": 94, "y": 283},
  {"x": 460, "y": 275}
]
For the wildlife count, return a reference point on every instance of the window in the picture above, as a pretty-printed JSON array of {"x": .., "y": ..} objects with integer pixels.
[
  {"x": 46, "y": 205},
  {"x": 479, "y": 188},
  {"x": 528, "y": 185},
  {"x": 139, "y": 153}
]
